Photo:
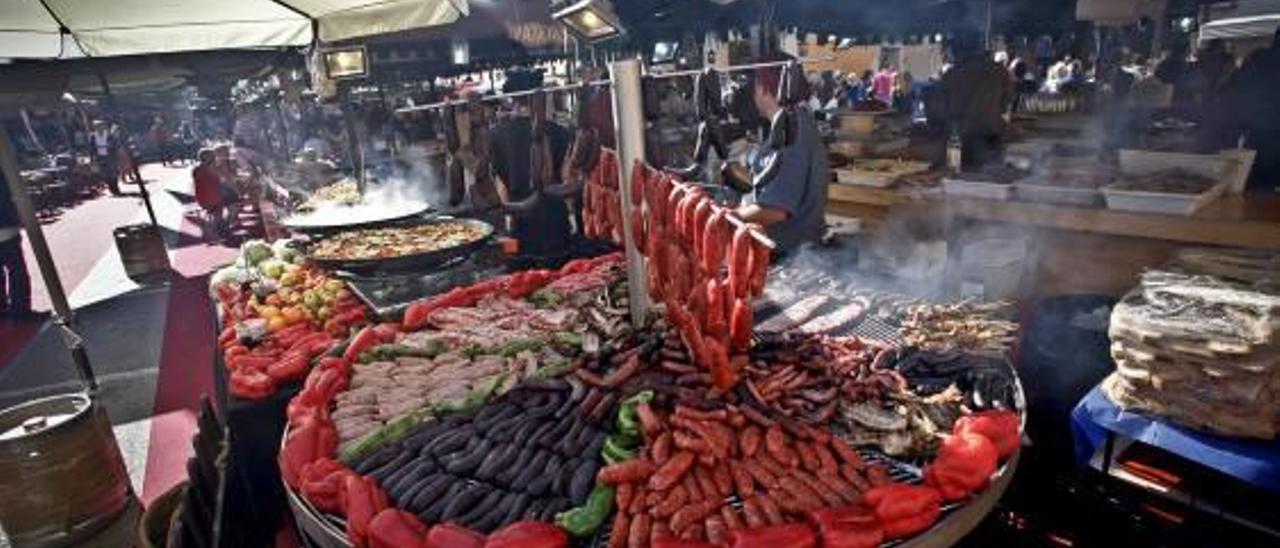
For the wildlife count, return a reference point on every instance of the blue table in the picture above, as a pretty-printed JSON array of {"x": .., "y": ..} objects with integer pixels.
[{"x": 1096, "y": 420}]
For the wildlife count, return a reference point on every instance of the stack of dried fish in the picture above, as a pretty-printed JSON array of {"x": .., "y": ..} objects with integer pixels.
[
  {"x": 965, "y": 325},
  {"x": 1201, "y": 351}
]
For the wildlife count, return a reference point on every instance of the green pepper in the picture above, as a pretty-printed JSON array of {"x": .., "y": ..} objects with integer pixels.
[
  {"x": 554, "y": 367},
  {"x": 544, "y": 298},
  {"x": 517, "y": 346},
  {"x": 389, "y": 433},
  {"x": 584, "y": 520},
  {"x": 568, "y": 338},
  {"x": 615, "y": 450},
  {"x": 475, "y": 398}
]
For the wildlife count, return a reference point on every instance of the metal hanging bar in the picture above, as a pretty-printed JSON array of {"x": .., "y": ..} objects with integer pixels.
[{"x": 571, "y": 87}]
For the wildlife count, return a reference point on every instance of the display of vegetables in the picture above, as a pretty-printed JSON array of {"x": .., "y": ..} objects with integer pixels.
[{"x": 278, "y": 316}]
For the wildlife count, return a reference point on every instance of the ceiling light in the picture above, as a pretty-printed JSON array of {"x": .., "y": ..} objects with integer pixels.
[
  {"x": 590, "y": 20},
  {"x": 346, "y": 63}
]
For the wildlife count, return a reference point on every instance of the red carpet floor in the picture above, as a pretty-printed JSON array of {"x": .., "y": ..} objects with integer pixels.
[{"x": 186, "y": 359}]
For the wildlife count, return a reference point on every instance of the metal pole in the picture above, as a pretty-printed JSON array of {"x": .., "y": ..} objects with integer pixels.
[
  {"x": 44, "y": 259},
  {"x": 628, "y": 118}
]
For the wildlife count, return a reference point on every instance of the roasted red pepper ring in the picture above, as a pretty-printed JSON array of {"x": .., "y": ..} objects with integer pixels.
[
  {"x": 251, "y": 384},
  {"x": 1001, "y": 427},
  {"x": 450, "y": 535},
  {"x": 850, "y": 527},
  {"x": 793, "y": 535},
  {"x": 904, "y": 510},
  {"x": 963, "y": 466},
  {"x": 528, "y": 534},
  {"x": 323, "y": 481},
  {"x": 393, "y": 528},
  {"x": 363, "y": 500}
]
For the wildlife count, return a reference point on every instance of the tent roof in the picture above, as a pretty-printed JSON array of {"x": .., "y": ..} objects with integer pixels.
[
  {"x": 34, "y": 28},
  {"x": 1255, "y": 26}
]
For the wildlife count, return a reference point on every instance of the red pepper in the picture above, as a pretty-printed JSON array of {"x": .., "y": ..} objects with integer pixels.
[
  {"x": 450, "y": 535},
  {"x": 963, "y": 466},
  {"x": 393, "y": 528},
  {"x": 303, "y": 343},
  {"x": 417, "y": 314},
  {"x": 251, "y": 384},
  {"x": 1001, "y": 427},
  {"x": 227, "y": 336},
  {"x": 367, "y": 338},
  {"x": 528, "y": 534},
  {"x": 793, "y": 535},
  {"x": 576, "y": 266},
  {"x": 387, "y": 331},
  {"x": 904, "y": 510},
  {"x": 850, "y": 527},
  {"x": 363, "y": 500},
  {"x": 249, "y": 361},
  {"x": 300, "y": 448},
  {"x": 291, "y": 367},
  {"x": 323, "y": 481}
]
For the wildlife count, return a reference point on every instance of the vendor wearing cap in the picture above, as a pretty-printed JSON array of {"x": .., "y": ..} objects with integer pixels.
[
  {"x": 790, "y": 195},
  {"x": 540, "y": 223}
]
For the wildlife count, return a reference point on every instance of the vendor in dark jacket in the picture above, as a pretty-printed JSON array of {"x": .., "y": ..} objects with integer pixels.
[
  {"x": 542, "y": 226},
  {"x": 15, "y": 284},
  {"x": 976, "y": 93}
]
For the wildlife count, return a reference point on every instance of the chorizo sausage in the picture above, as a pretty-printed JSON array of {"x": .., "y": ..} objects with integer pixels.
[
  {"x": 674, "y": 500},
  {"x": 731, "y": 518},
  {"x": 759, "y": 268},
  {"x": 758, "y": 472},
  {"x": 722, "y": 478},
  {"x": 741, "y": 324},
  {"x": 808, "y": 457},
  {"x": 740, "y": 263},
  {"x": 661, "y": 449},
  {"x": 702, "y": 475},
  {"x": 772, "y": 513},
  {"x": 826, "y": 460},
  {"x": 717, "y": 530},
  {"x": 692, "y": 514},
  {"x": 649, "y": 421},
  {"x": 775, "y": 442},
  {"x": 639, "y": 536},
  {"x": 847, "y": 454},
  {"x": 742, "y": 482},
  {"x": 621, "y": 531},
  {"x": 625, "y": 472},
  {"x": 713, "y": 242},
  {"x": 878, "y": 475},
  {"x": 753, "y": 513},
  {"x": 671, "y": 471},
  {"x": 749, "y": 443}
]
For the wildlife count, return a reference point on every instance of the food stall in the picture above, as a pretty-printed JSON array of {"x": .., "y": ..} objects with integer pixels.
[{"x": 428, "y": 386}]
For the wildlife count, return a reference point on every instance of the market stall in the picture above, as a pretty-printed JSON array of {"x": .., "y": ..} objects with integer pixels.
[{"x": 508, "y": 402}]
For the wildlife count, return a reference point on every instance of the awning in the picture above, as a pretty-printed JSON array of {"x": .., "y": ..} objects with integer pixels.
[
  {"x": 1256, "y": 26},
  {"x": 37, "y": 28}
]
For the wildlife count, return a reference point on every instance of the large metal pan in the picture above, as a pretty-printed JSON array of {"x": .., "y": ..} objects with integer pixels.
[
  {"x": 418, "y": 261},
  {"x": 340, "y": 217}
]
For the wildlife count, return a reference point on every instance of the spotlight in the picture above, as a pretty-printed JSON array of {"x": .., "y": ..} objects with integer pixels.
[{"x": 591, "y": 20}]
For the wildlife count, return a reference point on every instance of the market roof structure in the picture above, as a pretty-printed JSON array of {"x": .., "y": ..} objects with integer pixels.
[{"x": 54, "y": 29}]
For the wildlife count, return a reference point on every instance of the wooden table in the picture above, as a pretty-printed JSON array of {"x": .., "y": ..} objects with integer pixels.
[{"x": 1077, "y": 249}]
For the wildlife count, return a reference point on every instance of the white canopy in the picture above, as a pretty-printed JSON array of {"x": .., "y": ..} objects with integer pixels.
[
  {"x": 1256, "y": 26},
  {"x": 100, "y": 28}
]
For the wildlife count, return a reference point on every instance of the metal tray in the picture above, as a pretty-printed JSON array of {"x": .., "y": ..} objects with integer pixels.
[
  {"x": 419, "y": 261},
  {"x": 408, "y": 211}
]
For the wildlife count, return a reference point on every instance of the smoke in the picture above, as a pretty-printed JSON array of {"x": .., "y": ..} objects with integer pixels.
[{"x": 403, "y": 186}]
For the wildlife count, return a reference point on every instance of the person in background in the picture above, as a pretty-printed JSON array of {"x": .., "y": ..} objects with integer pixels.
[
  {"x": 791, "y": 203},
  {"x": 977, "y": 94},
  {"x": 903, "y": 94},
  {"x": 125, "y": 162},
  {"x": 209, "y": 191},
  {"x": 882, "y": 84},
  {"x": 158, "y": 135},
  {"x": 104, "y": 154},
  {"x": 15, "y": 282},
  {"x": 543, "y": 229}
]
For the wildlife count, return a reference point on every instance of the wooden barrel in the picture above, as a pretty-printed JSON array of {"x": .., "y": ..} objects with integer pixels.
[
  {"x": 63, "y": 477},
  {"x": 141, "y": 250}
]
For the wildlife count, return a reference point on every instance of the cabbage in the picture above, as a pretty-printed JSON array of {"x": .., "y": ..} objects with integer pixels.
[{"x": 256, "y": 251}]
